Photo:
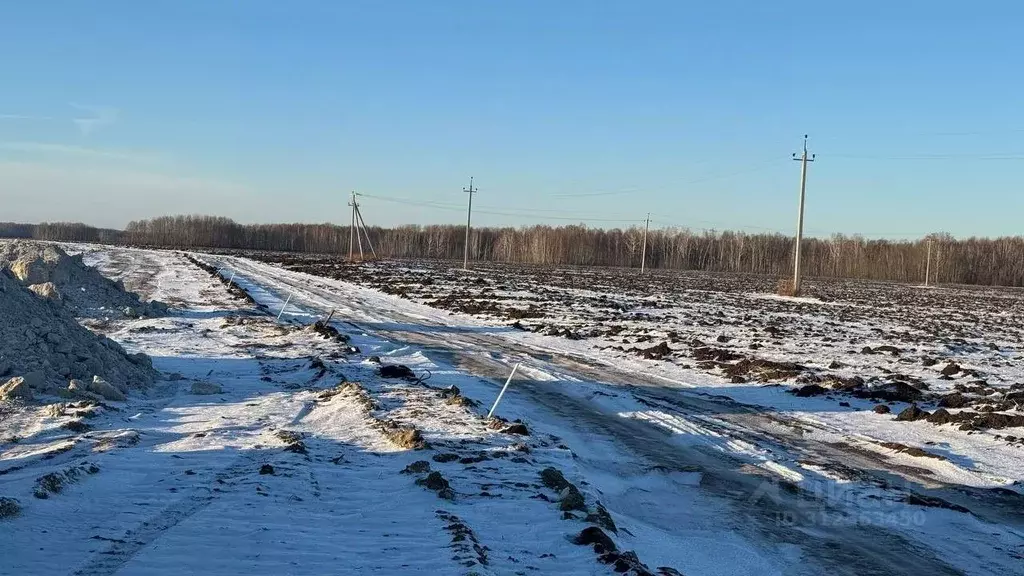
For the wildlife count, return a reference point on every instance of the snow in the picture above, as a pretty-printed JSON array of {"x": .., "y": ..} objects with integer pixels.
[{"x": 178, "y": 488}]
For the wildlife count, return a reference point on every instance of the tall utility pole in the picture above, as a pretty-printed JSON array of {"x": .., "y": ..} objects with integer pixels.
[
  {"x": 800, "y": 217},
  {"x": 928, "y": 263},
  {"x": 469, "y": 218},
  {"x": 643, "y": 254},
  {"x": 352, "y": 230}
]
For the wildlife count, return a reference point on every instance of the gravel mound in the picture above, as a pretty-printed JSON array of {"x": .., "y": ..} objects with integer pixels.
[
  {"x": 42, "y": 344},
  {"x": 51, "y": 273}
]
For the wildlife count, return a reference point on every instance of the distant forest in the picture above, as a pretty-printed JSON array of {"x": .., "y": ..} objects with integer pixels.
[{"x": 985, "y": 261}]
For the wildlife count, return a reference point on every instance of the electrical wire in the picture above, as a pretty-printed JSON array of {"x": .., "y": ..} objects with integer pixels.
[
  {"x": 520, "y": 213},
  {"x": 928, "y": 157},
  {"x": 563, "y": 215},
  {"x": 754, "y": 168}
]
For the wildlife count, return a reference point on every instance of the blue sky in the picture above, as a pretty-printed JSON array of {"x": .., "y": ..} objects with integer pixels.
[{"x": 564, "y": 111}]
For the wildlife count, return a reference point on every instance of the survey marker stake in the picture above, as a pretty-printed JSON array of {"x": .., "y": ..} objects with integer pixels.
[
  {"x": 287, "y": 300},
  {"x": 329, "y": 316},
  {"x": 503, "y": 388}
]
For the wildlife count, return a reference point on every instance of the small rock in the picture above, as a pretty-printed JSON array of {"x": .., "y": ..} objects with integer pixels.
[
  {"x": 553, "y": 479},
  {"x": 570, "y": 498},
  {"x": 266, "y": 469},
  {"x": 433, "y": 481},
  {"x": 105, "y": 389},
  {"x": 602, "y": 518},
  {"x": 809, "y": 390},
  {"x": 912, "y": 413},
  {"x": 882, "y": 409},
  {"x": 592, "y": 535},
  {"x": 518, "y": 428},
  {"x": 15, "y": 388},
  {"x": 417, "y": 467},
  {"x": 397, "y": 371},
  {"x": 951, "y": 369},
  {"x": 45, "y": 290},
  {"x": 9, "y": 507},
  {"x": 446, "y": 457},
  {"x": 406, "y": 437},
  {"x": 940, "y": 416},
  {"x": 954, "y": 400}
]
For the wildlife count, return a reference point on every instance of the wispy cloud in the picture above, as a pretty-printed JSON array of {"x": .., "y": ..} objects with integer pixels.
[
  {"x": 23, "y": 117},
  {"x": 51, "y": 149},
  {"x": 101, "y": 116},
  {"x": 110, "y": 195}
]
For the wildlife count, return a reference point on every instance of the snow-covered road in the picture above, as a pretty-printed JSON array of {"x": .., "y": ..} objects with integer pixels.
[{"x": 849, "y": 495}]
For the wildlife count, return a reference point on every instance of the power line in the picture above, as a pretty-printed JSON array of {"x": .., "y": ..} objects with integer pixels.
[
  {"x": 690, "y": 224},
  {"x": 930, "y": 157},
  {"x": 753, "y": 168},
  {"x": 520, "y": 213}
]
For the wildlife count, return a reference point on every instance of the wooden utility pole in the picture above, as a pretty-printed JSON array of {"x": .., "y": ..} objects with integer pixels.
[
  {"x": 469, "y": 218},
  {"x": 803, "y": 159},
  {"x": 643, "y": 253},
  {"x": 353, "y": 233},
  {"x": 928, "y": 263}
]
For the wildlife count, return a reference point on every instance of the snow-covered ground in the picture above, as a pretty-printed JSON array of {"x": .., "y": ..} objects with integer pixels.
[{"x": 697, "y": 476}]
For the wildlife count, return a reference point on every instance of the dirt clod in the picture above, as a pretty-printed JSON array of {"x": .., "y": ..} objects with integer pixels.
[
  {"x": 9, "y": 507},
  {"x": 809, "y": 390},
  {"x": 405, "y": 437},
  {"x": 602, "y": 518},
  {"x": 417, "y": 467},
  {"x": 596, "y": 537},
  {"x": 911, "y": 413},
  {"x": 954, "y": 400},
  {"x": 397, "y": 371},
  {"x": 553, "y": 479},
  {"x": 950, "y": 369},
  {"x": 76, "y": 426}
]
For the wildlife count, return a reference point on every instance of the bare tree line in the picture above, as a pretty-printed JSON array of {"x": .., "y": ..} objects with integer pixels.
[{"x": 987, "y": 261}]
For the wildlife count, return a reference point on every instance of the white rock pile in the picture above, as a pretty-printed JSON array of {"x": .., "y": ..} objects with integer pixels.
[
  {"x": 44, "y": 350},
  {"x": 54, "y": 275}
]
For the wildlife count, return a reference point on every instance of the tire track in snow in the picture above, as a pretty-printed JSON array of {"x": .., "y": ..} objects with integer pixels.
[{"x": 121, "y": 551}]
